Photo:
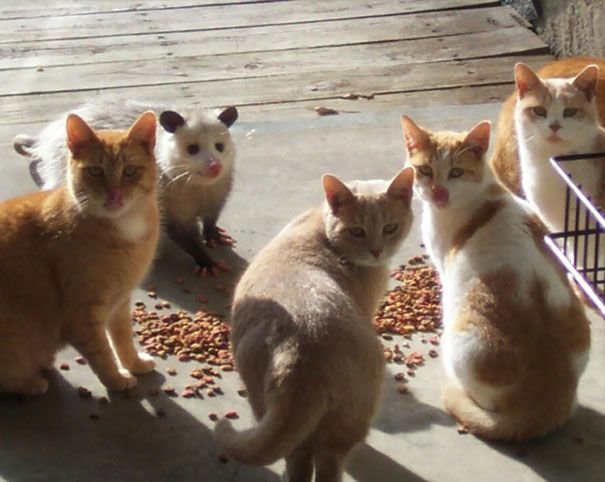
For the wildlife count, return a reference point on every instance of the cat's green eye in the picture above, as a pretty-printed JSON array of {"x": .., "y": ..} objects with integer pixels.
[
  {"x": 455, "y": 172},
  {"x": 129, "y": 171},
  {"x": 425, "y": 170},
  {"x": 390, "y": 228},
  {"x": 95, "y": 171},
  {"x": 570, "y": 112},
  {"x": 356, "y": 231},
  {"x": 539, "y": 111}
]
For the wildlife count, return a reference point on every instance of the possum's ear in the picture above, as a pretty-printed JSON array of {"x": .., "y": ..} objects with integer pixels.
[
  {"x": 171, "y": 120},
  {"x": 228, "y": 116}
]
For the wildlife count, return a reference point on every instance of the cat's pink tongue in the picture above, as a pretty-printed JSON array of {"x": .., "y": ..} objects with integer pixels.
[
  {"x": 114, "y": 200},
  {"x": 440, "y": 196},
  {"x": 213, "y": 169}
]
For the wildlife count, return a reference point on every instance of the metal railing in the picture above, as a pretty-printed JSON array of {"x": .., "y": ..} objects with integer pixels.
[{"x": 578, "y": 245}]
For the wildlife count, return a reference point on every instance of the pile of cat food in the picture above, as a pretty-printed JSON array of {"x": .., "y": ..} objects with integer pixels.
[
  {"x": 413, "y": 306},
  {"x": 203, "y": 337}
]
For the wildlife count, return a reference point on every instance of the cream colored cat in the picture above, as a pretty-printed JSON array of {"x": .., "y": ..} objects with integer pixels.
[
  {"x": 302, "y": 333},
  {"x": 516, "y": 338},
  {"x": 72, "y": 256}
]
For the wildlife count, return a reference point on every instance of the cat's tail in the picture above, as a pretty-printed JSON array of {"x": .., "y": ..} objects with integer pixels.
[
  {"x": 288, "y": 421},
  {"x": 514, "y": 426}
]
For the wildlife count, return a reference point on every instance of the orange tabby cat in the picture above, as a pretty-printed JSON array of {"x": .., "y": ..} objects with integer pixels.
[
  {"x": 505, "y": 160},
  {"x": 72, "y": 256}
]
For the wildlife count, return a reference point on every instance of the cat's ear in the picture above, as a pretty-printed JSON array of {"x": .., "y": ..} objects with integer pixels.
[
  {"x": 526, "y": 79},
  {"x": 79, "y": 134},
  {"x": 228, "y": 116},
  {"x": 402, "y": 184},
  {"x": 477, "y": 139},
  {"x": 416, "y": 138},
  {"x": 337, "y": 193},
  {"x": 143, "y": 130},
  {"x": 171, "y": 121},
  {"x": 586, "y": 81}
]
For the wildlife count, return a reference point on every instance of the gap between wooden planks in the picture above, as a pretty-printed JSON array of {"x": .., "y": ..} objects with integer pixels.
[
  {"x": 215, "y": 17},
  {"x": 24, "y": 54},
  {"x": 285, "y": 88},
  {"x": 331, "y": 61}
]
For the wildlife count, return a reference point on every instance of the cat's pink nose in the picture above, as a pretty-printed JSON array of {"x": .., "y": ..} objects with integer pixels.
[
  {"x": 555, "y": 126},
  {"x": 376, "y": 252},
  {"x": 440, "y": 195},
  {"x": 114, "y": 199}
]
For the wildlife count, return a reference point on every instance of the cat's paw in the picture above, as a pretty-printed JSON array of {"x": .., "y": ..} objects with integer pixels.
[
  {"x": 35, "y": 386},
  {"x": 123, "y": 381},
  {"x": 143, "y": 364}
]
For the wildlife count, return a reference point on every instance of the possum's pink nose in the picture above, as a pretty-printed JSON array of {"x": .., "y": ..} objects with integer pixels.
[
  {"x": 213, "y": 169},
  {"x": 440, "y": 195}
]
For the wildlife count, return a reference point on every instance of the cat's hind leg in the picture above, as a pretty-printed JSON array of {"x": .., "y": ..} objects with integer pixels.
[
  {"x": 120, "y": 333},
  {"x": 21, "y": 369},
  {"x": 329, "y": 467},
  {"x": 299, "y": 464},
  {"x": 33, "y": 384}
]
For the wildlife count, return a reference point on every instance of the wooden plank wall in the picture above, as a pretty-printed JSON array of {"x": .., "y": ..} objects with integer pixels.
[{"x": 264, "y": 57}]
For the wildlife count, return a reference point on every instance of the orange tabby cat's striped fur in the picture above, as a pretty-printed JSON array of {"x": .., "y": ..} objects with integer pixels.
[{"x": 71, "y": 258}]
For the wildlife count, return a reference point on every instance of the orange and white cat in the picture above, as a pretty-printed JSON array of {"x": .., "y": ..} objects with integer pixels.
[
  {"x": 302, "y": 329},
  {"x": 558, "y": 111},
  {"x": 516, "y": 338},
  {"x": 71, "y": 258}
]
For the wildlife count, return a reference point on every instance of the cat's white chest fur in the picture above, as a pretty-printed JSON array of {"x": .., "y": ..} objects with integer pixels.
[
  {"x": 545, "y": 189},
  {"x": 133, "y": 227}
]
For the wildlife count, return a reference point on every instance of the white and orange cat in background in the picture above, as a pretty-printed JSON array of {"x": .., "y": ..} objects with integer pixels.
[
  {"x": 516, "y": 338},
  {"x": 558, "y": 111},
  {"x": 72, "y": 256}
]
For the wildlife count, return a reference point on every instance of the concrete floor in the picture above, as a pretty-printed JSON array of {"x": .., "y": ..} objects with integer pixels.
[{"x": 280, "y": 162}]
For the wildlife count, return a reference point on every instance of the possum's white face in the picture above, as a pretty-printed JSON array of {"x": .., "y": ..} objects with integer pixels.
[{"x": 197, "y": 148}]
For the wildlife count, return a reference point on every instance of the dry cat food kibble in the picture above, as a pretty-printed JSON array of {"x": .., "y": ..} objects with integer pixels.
[
  {"x": 413, "y": 306},
  {"x": 202, "y": 337},
  {"x": 84, "y": 392}
]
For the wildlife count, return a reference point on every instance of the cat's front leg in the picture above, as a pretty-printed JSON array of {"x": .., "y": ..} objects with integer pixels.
[
  {"x": 120, "y": 331},
  {"x": 90, "y": 339},
  {"x": 191, "y": 240},
  {"x": 216, "y": 236}
]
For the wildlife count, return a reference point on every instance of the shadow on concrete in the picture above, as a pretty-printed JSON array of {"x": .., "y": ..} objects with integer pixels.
[
  {"x": 54, "y": 438},
  {"x": 405, "y": 413},
  {"x": 173, "y": 278},
  {"x": 370, "y": 465},
  {"x": 574, "y": 452}
]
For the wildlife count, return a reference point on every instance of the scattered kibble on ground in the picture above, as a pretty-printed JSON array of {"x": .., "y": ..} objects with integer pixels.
[{"x": 84, "y": 392}]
